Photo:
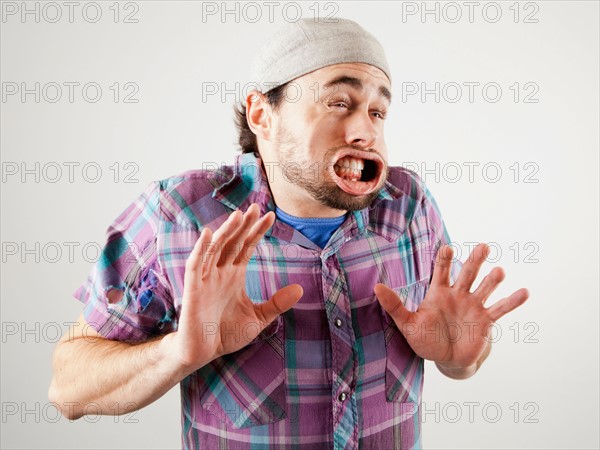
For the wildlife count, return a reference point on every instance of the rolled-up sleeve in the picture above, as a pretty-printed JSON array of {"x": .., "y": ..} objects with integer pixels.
[{"x": 127, "y": 295}]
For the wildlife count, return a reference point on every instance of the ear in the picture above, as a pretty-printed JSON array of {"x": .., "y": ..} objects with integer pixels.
[{"x": 259, "y": 114}]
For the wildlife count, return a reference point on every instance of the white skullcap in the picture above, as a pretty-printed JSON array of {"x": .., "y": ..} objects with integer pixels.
[{"x": 304, "y": 46}]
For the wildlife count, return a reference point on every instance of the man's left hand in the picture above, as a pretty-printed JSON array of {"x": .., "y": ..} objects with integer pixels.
[{"x": 451, "y": 325}]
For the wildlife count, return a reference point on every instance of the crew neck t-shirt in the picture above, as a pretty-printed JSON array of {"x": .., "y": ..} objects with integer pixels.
[{"x": 317, "y": 229}]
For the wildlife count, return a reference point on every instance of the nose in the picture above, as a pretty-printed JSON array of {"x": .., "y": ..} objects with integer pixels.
[{"x": 360, "y": 129}]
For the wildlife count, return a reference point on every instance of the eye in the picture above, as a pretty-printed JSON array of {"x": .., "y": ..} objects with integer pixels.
[
  {"x": 381, "y": 114},
  {"x": 340, "y": 104},
  {"x": 339, "y": 101}
]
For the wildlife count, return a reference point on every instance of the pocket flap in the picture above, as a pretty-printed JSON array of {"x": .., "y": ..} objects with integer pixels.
[{"x": 404, "y": 368}]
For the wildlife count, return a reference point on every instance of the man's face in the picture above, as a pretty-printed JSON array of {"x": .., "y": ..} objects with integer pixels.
[{"x": 329, "y": 135}]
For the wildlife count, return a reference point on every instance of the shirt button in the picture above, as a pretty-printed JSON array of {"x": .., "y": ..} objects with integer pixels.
[
  {"x": 342, "y": 396},
  {"x": 338, "y": 323}
]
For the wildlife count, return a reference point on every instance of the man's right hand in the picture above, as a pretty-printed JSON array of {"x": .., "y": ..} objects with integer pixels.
[
  {"x": 91, "y": 369},
  {"x": 214, "y": 298}
]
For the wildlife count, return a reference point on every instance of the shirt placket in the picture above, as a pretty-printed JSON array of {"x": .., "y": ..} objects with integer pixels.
[{"x": 344, "y": 359}]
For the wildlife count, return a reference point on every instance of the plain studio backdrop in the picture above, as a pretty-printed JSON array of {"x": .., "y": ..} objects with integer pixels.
[{"x": 494, "y": 104}]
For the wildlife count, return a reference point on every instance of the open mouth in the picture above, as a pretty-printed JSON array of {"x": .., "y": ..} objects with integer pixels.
[
  {"x": 358, "y": 173},
  {"x": 354, "y": 169}
]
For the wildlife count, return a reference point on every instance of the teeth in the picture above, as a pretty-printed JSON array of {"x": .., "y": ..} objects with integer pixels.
[
  {"x": 349, "y": 168},
  {"x": 348, "y": 173},
  {"x": 351, "y": 163}
]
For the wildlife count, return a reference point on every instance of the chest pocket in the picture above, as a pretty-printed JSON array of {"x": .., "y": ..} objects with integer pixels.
[
  {"x": 245, "y": 388},
  {"x": 404, "y": 368}
]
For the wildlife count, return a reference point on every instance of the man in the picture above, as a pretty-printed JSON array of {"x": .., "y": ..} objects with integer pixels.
[{"x": 296, "y": 294}]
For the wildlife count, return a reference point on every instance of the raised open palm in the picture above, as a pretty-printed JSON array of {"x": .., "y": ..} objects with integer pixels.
[
  {"x": 217, "y": 316},
  {"x": 452, "y": 325}
]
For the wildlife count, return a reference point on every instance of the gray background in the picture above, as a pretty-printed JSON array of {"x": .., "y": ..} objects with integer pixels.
[{"x": 538, "y": 389}]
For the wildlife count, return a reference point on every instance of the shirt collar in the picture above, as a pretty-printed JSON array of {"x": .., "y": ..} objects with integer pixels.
[{"x": 248, "y": 184}]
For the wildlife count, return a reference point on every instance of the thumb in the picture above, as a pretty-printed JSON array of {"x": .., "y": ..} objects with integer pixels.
[
  {"x": 392, "y": 304},
  {"x": 279, "y": 303}
]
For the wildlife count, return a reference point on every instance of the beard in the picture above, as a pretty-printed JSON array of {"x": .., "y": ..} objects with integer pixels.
[{"x": 314, "y": 177}]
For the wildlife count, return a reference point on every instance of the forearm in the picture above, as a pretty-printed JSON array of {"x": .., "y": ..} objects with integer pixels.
[
  {"x": 116, "y": 377},
  {"x": 461, "y": 372}
]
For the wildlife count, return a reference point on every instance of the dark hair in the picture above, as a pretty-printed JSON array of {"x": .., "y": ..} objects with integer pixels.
[{"x": 247, "y": 139}]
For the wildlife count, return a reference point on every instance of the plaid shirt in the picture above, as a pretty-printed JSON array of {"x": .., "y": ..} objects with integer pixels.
[{"x": 332, "y": 372}]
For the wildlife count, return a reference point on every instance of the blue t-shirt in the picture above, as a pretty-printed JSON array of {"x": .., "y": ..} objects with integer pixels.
[{"x": 317, "y": 229}]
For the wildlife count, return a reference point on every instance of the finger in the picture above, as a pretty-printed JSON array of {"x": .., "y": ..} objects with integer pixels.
[
  {"x": 506, "y": 305},
  {"x": 194, "y": 259},
  {"x": 194, "y": 262},
  {"x": 213, "y": 251},
  {"x": 443, "y": 262},
  {"x": 471, "y": 267},
  {"x": 235, "y": 242},
  {"x": 489, "y": 284},
  {"x": 279, "y": 303},
  {"x": 392, "y": 304},
  {"x": 254, "y": 236}
]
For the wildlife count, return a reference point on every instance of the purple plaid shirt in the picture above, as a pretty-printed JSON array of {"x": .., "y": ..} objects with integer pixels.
[{"x": 332, "y": 372}]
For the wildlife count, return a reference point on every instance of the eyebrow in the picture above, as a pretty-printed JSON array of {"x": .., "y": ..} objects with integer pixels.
[{"x": 356, "y": 84}]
